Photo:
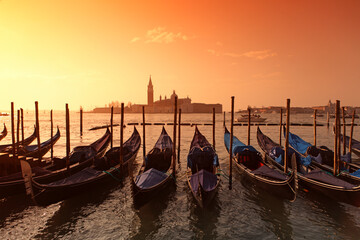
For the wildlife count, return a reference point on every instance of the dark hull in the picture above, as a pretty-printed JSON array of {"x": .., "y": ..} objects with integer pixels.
[
  {"x": 338, "y": 193},
  {"x": 284, "y": 189},
  {"x": 3, "y": 133},
  {"x": 343, "y": 175},
  {"x": 46, "y": 146},
  {"x": 205, "y": 197},
  {"x": 45, "y": 195},
  {"x": 351, "y": 196},
  {"x": 27, "y": 141},
  {"x": 142, "y": 196},
  {"x": 17, "y": 186},
  {"x": 164, "y": 156}
]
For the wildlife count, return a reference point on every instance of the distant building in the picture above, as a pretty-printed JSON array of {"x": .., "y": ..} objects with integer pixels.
[
  {"x": 166, "y": 105},
  {"x": 150, "y": 93}
]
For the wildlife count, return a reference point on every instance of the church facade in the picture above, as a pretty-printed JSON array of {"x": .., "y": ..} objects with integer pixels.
[{"x": 166, "y": 105}]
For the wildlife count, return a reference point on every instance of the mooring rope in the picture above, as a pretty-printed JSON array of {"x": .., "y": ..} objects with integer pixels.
[
  {"x": 223, "y": 174},
  {"x": 117, "y": 179},
  {"x": 171, "y": 175}
]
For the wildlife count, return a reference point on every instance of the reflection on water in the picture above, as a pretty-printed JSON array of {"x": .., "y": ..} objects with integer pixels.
[
  {"x": 74, "y": 209},
  {"x": 147, "y": 220},
  {"x": 203, "y": 220},
  {"x": 273, "y": 210}
]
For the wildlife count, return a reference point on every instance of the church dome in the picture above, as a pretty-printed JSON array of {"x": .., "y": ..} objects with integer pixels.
[{"x": 173, "y": 95}]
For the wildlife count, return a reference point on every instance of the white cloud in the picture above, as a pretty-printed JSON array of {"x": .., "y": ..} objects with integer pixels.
[
  {"x": 135, "y": 39},
  {"x": 258, "y": 55},
  {"x": 161, "y": 35}
]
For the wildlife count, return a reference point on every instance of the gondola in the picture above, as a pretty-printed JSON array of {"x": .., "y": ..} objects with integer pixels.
[
  {"x": 322, "y": 157},
  {"x": 155, "y": 173},
  {"x": 355, "y": 144},
  {"x": 311, "y": 178},
  {"x": 26, "y": 142},
  {"x": 104, "y": 170},
  {"x": 202, "y": 173},
  {"x": 252, "y": 167},
  {"x": 32, "y": 151},
  {"x": 80, "y": 158},
  {"x": 3, "y": 133}
]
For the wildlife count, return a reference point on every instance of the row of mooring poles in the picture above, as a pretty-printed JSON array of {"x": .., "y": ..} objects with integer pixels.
[
  {"x": 248, "y": 138},
  {"x": 121, "y": 157},
  {"x": 20, "y": 122}
]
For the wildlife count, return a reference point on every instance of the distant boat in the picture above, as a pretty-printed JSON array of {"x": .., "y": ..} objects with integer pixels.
[
  {"x": 3, "y": 133},
  {"x": 318, "y": 115},
  {"x": 253, "y": 118},
  {"x": 4, "y": 114},
  {"x": 346, "y": 116}
]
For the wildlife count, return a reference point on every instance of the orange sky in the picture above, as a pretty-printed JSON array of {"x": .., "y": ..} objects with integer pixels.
[{"x": 91, "y": 52}]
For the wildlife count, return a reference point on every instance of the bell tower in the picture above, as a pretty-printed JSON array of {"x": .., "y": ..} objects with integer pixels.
[{"x": 150, "y": 93}]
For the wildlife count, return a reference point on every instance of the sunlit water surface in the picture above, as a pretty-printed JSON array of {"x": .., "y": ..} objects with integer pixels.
[{"x": 241, "y": 213}]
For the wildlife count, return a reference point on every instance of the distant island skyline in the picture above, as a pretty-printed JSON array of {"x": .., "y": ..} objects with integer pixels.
[{"x": 165, "y": 105}]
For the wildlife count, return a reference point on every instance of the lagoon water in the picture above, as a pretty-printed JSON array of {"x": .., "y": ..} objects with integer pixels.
[{"x": 241, "y": 213}]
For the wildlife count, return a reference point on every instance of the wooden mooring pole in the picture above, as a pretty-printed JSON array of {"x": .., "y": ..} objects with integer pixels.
[
  {"x": 351, "y": 133},
  {"x": 213, "y": 128},
  {"x": 143, "y": 117},
  {"x": 249, "y": 122},
  {"x": 231, "y": 141},
  {"x": 287, "y": 135},
  {"x": 328, "y": 119},
  {"x": 51, "y": 134},
  {"x": 122, "y": 135},
  {"x": 67, "y": 136},
  {"x": 179, "y": 130},
  {"x": 18, "y": 132},
  {"x": 38, "y": 128},
  {"x": 22, "y": 126},
  {"x": 224, "y": 119},
  {"x": 344, "y": 130},
  {"x": 13, "y": 130},
  {"x": 174, "y": 137},
  {"x": 336, "y": 139},
  {"x": 339, "y": 142},
  {"x": 315, "y": 127},
  {"x": 111, "y": 127},
  {"x": 81, "y": 123},
  {"x": 280, "y": 130}
]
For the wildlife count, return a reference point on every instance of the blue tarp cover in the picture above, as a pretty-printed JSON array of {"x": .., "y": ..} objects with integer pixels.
[
  {"x": 201, "y": 154},
  {"x": 207, "y": 180},
  {"x": 356, "y": 173},
  {"x": 238, "y": 146},
  {"x": 150, "y": 178},
  {"x": 297, "y": 143}
]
